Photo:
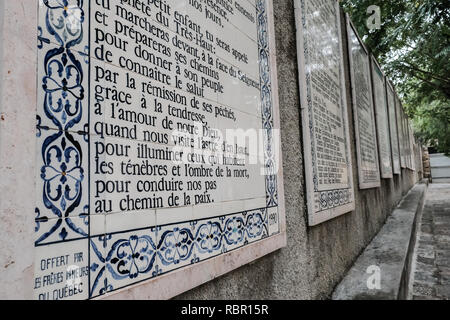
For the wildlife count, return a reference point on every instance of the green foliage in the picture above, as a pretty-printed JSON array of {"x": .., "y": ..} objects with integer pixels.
[
  {"x": 431, "y": 122},
  {"x": 413, "y": 46}
]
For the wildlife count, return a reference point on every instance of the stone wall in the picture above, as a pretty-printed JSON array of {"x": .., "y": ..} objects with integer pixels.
[{"x": 316, "y": 258}]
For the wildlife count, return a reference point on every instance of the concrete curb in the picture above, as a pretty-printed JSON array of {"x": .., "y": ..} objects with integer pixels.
[
  {"x": 382, "y": 271},
  {"x": 406, "y": 275}
]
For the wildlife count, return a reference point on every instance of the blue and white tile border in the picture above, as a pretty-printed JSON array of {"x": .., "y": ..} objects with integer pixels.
[
  {"x": 126, "y": 258},
  {"x": 62, "y": 137}
]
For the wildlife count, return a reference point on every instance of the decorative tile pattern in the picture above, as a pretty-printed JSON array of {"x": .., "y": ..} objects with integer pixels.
[
  {"x": 62, "y": 153},
  {"x": 62, "y": 182},
  {"x": 118, "y": 260},
  {"x": 266, "y": 99},
  {"x": 125, "y": 258},
  {"x": 62, "y": 80}
]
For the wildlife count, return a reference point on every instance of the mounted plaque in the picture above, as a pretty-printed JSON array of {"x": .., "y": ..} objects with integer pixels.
[
  {"x": 393, "y": 128},
  {"x": 412, "y": 148},
  {"x": 401, "y": 138},
  {"x": 363, "y": 112},
  {"x": 407, "y": 139},
  {"x": 158, "y": 145},
  {"x": 381, "y": 112},
  {"x": 326, "y": 140}
]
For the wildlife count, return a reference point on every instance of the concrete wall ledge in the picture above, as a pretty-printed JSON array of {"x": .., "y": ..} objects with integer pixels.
[{"x": 382, "y": 270}]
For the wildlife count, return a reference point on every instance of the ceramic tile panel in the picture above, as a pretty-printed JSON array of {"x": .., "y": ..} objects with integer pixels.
[
  {"x": 393, "y": 128},
  {"x": 63, "y": 81},
  {"x": 363, "y": 111},
  {"x": 381, "y": 113},
  {"x": 62, "y": 200},
  {"x": 135, "y": 172},
  {"x": 398, "y": 114},
  {"x": 189, "y": 243},
  {"x": 326, "y": 138}
]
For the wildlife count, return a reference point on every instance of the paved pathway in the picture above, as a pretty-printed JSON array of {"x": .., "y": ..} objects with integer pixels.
[{"x": 431, "y": 264}]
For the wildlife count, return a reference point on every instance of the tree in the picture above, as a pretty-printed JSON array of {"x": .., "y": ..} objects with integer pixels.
[{"x": 413, "y": 46}]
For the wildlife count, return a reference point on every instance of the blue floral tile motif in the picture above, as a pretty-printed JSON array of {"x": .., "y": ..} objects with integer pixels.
[
  {"x": 62, "y": 98},
  {"x": 63, "y": 22},
  {"x": 62, "y": 174},
  {"x": 198, "y": 240},
  {"x": 266, "y": 101},
  {"x": 62, "y": 84},
  {"x": 234, "y": 231},
  {"x": 129, "y": 257},
  {"x": 188, "y": 243},
  {"x": 132, "y": 256},
  {"x": 62, "y": 207},
  {"x": 175, "y": 245},
  {"x": 63, "y": 67},
  {"x": 60, "y": 229},
  {"x": 209, "y": 237},
  {"x": 118, "y": 260}
]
